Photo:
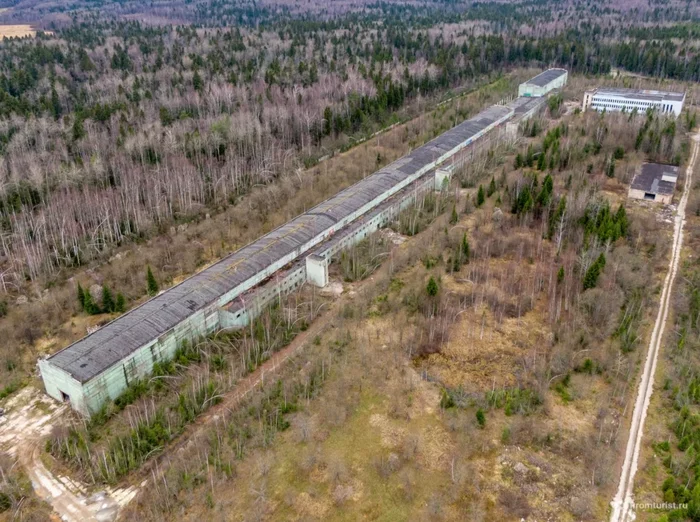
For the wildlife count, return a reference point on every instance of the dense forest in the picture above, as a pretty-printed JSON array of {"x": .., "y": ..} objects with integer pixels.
[{"x": 112, "y": 130}]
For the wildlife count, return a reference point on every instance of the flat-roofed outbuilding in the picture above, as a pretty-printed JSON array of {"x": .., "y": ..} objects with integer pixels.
[{"x": 655, "y": 182}]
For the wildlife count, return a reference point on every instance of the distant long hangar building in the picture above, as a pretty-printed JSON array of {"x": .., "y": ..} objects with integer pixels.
[{"x": 231, "y": 292}]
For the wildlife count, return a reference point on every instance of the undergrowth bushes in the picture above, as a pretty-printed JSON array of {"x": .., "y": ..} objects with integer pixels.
[{"x": 117, "y": 439}]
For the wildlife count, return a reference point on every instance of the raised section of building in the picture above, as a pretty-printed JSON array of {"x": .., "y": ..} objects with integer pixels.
[
  {"x": 630, "y": 100},
  {"x": 543, "y": 83}
]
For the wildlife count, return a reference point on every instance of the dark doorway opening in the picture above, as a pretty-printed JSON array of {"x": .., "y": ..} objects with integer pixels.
[
  {"x": 649, "y": 195},
  {"x": 65, "y": 397}
]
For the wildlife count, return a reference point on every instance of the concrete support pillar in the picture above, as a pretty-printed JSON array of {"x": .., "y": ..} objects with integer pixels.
[
  {"x": 442, "y": 177},
  {"x": 317, "y": 270}
]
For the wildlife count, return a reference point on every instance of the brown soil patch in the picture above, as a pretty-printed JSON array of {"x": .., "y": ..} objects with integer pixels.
[
  {"x": 391, "y": 435},
  {"x": 317, "y": 508},
  {"x": 477, "y": 359}
]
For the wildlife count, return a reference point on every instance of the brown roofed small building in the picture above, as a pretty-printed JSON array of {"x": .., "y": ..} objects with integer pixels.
[{"x": 655, "y": 182}]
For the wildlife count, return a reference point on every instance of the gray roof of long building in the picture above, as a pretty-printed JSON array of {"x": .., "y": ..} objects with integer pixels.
[
  {"x": 640, "y": 94},
  {"x": 650, "y": 178},
  {"x": 102, "y": 349},
  {"x": 547, "y": 76},
  {"x": 525, "y": 104}
]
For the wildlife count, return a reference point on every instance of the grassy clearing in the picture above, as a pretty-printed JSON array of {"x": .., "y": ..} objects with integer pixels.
[
  {"x": 482, "y": 390},
  {"x": 16, "y": 31}
]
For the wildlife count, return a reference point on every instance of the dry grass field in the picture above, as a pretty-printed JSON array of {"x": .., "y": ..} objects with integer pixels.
[{"x": 16, "y": 31}]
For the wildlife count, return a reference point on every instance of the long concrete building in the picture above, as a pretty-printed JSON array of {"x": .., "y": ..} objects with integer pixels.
[{"x": 233, "y": 291}]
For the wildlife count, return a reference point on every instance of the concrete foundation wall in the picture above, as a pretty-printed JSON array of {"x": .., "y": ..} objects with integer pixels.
[{"x": 666, "y": 199}]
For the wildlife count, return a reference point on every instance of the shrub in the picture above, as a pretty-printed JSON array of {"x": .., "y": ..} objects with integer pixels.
[
  {"x": 9, "y": 389},
  {"x": 590, "y": 280},
  {"x": 481, "y": 418},
  {"x": 454, "y": 217},
  {"x": 81, "y": 297},
  {"x": 131, "y": 394},
  {"x": 480, "y": 196},
  {"x": 446, "y": 400},
  {"x": 432, "y": 289},
  {"x": 120, "y": 305},
  {"x": 465, "y": 248},
  {"x": 5, "y": 502},
  {"x": 108, "y": 304},
  {"x": 513, "y": 400},
  {"x": 505, "y": 435}
]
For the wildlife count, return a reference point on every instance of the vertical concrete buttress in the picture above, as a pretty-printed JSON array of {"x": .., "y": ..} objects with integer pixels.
[{"x": 317, "y": 270}]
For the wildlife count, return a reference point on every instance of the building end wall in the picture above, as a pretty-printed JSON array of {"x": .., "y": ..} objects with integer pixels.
[
  {"x": 536, "y": 91},
  {"x": 63, "y": 387},
  {"x": 665, "y": 199}
]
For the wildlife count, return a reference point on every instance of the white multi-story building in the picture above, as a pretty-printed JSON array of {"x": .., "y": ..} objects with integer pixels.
[
  {"x": 543, "y": 83},
  {"x": 628, "y": 100}
]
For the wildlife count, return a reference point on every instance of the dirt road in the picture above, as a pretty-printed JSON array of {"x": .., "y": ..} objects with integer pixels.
[
  {"x": 622, "y": 504},
  {"x": 30, "y": 418}
]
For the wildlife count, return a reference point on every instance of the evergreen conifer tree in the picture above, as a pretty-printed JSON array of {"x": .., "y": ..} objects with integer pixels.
[
  {"x": 152, "y": 283},
  {"x": 108, "y": 304},
  {"x": 120, "y": 305}
]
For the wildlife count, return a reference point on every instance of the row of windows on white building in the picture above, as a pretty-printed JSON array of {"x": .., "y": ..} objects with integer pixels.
[{"x": 607, "y": 103}]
